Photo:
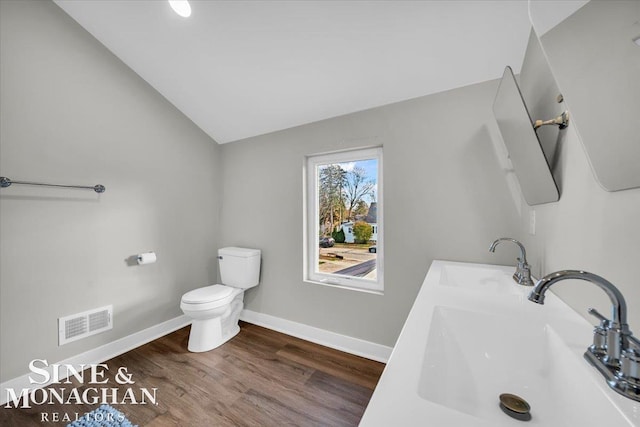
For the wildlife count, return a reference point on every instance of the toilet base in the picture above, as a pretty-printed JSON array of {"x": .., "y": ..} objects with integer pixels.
[
  {"x": 205, "y": 337},
  {"x": 207, "y": 334}
]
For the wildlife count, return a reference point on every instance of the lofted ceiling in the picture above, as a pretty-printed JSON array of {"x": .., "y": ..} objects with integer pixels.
[{"x": 244, "y": 68}]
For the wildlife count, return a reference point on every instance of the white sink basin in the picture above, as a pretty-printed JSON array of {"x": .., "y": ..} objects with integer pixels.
[
  {"x": 480, "y": 278},
  {"x": 472, "y": 335},
  {"x": 471, "y": 358}
]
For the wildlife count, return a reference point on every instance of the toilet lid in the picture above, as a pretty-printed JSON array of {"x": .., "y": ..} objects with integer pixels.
[{"x": 207, "y": 294}]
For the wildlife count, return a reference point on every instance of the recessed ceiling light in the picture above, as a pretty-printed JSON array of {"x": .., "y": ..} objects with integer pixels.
[
  {"x": 637, "y": 40},
  {"x": 181, "y": 7}
]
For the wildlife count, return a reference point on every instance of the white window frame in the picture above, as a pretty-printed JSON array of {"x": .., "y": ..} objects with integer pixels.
[{"x": 312, "y": 227}]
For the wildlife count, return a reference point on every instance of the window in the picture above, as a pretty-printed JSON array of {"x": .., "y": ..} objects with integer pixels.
[{"x": 344, "y": 228}]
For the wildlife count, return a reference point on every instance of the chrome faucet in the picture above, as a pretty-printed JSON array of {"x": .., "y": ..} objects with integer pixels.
[
  {"x": 522, "y": 276},
  {"x": 615, "y": 353}
]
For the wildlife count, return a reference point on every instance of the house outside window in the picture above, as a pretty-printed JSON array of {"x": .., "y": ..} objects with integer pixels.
[{"x": 344, "y": 228}]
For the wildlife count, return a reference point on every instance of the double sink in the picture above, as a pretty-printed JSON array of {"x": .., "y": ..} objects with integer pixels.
[{"x": 471, "y": 336}]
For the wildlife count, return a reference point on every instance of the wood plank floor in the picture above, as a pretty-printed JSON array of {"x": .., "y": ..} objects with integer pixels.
[{"x": 259, "y": 378}]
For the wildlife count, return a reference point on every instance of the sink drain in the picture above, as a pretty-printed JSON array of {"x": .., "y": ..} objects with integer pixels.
[{"x": 515, "y": 406}]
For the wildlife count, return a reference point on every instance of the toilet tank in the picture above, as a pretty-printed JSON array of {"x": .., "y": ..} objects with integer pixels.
[{"x": 239, "y": 267}]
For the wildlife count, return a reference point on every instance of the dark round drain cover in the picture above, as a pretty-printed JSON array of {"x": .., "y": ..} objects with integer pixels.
[{"x": 515, "y": 406}]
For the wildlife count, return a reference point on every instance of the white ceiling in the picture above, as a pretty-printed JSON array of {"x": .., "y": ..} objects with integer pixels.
[{"x": 245, "y": 68}]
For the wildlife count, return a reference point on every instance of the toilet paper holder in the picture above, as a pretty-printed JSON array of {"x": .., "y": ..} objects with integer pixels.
[{"x": 146, "y": 258}]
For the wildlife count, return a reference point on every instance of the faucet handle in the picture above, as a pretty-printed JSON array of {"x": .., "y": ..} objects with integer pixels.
[
  {"x": 604, "y": 322},
  {"x": 630, "y": 366},
  {"x": 599, "y": 346}
]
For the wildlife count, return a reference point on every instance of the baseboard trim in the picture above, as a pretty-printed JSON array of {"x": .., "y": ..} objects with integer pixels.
[
  {"x": 101, "y": 354},
  {"x": 356, "y": 346}
]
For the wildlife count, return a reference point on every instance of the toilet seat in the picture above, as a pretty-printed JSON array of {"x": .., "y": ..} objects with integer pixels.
[
  {"x": 207, "y": 294},
  {"x": 208, "y": 297}
]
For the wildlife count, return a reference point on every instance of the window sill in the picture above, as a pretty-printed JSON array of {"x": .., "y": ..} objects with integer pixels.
[{"x": 328, "y": 283}]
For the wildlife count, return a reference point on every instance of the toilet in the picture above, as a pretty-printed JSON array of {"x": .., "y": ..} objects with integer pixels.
[{"x": 215, "y": 309}]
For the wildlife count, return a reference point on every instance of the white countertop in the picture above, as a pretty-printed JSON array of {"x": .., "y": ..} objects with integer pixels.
[{"x": 410, "y": 393}]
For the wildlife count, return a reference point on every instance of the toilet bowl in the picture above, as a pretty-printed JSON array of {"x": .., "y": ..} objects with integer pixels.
[{"x": 215, "y": 310}]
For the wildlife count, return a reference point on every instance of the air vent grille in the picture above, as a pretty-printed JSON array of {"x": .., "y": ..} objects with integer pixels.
[
  {"x": 81, "y": 325},
  {"x": 75, "y": 327},
  {"x": 99, "y": 320}
]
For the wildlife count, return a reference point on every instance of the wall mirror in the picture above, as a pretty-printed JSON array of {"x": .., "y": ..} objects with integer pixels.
[
  {"x": 526, "y": 154},
  {"x": 593, "y": 49}
]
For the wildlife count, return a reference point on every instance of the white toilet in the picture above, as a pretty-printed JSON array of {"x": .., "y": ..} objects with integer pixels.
[{"x": 215, "y": 309}]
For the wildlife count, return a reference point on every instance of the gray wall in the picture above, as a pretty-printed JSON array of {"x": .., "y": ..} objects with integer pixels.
[
  {"x": 73, "y": 113},
  {"x": 445, "y": 198}
]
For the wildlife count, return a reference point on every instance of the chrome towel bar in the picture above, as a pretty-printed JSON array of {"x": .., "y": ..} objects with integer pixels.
[{"x": 5, "y": 182}]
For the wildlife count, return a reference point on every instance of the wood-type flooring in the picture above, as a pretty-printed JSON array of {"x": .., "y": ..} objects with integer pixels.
[{"x": 258, "y": 378}]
